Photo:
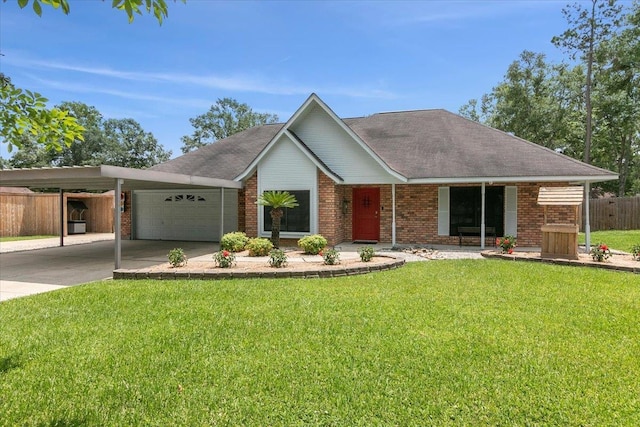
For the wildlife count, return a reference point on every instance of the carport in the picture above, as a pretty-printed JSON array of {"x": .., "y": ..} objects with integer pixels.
[{"x": 110, "y": 178}]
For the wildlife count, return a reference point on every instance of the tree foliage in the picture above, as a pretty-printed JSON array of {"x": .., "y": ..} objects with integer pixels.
[
  {"x": 24, "y": 113},
  {"x": 117, "y": 142},
  {"x": 277, "y": 201},
  {"x": 223, "y": 119},
  {"x": 588, "y": 28},
  {"x": 157, "y": 8},
  {"x": 546, "y": 103}
]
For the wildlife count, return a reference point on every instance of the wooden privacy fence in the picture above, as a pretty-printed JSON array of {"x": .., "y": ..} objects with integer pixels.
[
  {"x": 30, "y": 214},
  {"x": 616, "y": 213}
]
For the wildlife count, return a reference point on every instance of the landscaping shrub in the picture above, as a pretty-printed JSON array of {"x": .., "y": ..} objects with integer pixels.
[
  {"x": 177, "y": 258},
  {"x": 331, "y": 257},
  {"x": 259, "y": 246},
  {"x": 312, "y": 244},
  {"x": 635, "y": 251},
  {"x": 366, "y": 253},
  {"x": 600, "y": 252},
  {"x": 506, "y": 244},
  {"x": 277, "y": 258},
  {"x": 224, "y": 258},
  {"x": 234, "y": 242}
]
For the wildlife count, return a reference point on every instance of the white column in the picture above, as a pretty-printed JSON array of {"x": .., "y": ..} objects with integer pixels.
[
  {"x": 61, "y": 217},
  {"x": 482, "y": 224},
  {"x": 221, "y": 213},
  {"x": 587, "y": 224},
  {"x": 393, "y": 215},
  {"x": 117, "y": 222}
]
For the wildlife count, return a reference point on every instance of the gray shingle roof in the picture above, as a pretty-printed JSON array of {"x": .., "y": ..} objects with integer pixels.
[
  {"x": 226, "y": 158},
  {"x": 440, "y": 144},
  {"x": 419, "y": 144}
]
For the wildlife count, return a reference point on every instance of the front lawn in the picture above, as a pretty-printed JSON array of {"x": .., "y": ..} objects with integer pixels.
[
  {"x": 621, "y": 240},
  {"x": 473, "y": 342}
]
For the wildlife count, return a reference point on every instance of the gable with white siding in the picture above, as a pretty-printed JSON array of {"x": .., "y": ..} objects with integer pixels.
[{"x": 337, "y": 149}]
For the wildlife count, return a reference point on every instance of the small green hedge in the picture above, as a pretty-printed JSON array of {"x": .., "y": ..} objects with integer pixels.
[
  {"x": 234, "y": 242},
  {"x": 312, "y": 244}
]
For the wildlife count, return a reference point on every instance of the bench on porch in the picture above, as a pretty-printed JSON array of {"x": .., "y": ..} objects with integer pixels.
[{"x": 475, "y": 231}]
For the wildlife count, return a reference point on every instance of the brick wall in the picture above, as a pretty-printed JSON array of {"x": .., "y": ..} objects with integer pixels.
[
  {"x": 125, "y": 217},
  {"x": 416, "y": 213},
  {"x": 250, "y": 206}
]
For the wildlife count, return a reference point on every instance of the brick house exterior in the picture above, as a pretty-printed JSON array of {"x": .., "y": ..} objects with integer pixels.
[{"x": 411, "y": 162}]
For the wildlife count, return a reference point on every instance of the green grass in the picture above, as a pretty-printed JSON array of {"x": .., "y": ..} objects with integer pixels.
[
  {"x": 438, "y": 343},
  {"x": 622, "y": 240},
  {"x": 16, "y": 238}
]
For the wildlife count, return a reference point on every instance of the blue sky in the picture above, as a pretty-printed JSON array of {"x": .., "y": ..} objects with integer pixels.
[{"x": 360, "y": 57}]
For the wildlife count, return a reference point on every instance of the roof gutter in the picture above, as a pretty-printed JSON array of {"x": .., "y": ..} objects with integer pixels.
[{"x": 506, "y": 179}]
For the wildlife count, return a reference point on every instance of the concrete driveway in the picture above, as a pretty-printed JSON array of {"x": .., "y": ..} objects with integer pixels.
[{"x": 39, "y": 270}]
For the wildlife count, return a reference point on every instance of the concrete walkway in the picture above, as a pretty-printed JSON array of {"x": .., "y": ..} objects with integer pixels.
[{"x": 52, "y": 242}]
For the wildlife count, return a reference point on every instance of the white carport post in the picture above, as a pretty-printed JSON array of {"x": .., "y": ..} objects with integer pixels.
[
  {"x": 393, "y": 215},
  {"x": 482, "y": 223},
  {"x": 61, "y": 217},
  {"x": 587, "y": 224},
  {"x": 116, "y": 222},
  {"x": 221, "y": 213}
]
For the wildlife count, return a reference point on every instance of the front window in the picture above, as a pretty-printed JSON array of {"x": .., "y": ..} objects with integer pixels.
[
  {"x": 294, "y": 220},
  {"x": 465, "y": 208}
]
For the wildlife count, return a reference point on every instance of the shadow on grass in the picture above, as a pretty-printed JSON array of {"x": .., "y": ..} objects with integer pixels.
[
  {"x": 64, "y": 423},
  {"x": 9, "y": 363}
]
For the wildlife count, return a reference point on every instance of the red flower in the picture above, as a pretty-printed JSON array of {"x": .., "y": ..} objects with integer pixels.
[
  {"x": 497, "y": 241},
  {"x": 604, "y": 247},
  {"x": 225, "y": 253},
  {"x": 506, "y": 241},
  {"x": 510, "y": 251},
  {"x": 320, "y": 253}
]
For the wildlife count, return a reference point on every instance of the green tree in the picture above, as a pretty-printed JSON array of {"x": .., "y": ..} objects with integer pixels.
[
  {"x": 157, "y": 8},
  {"x": 23, "y": 112},
  {"x": 277, "y": 200},
  {"x": 31, "y": 155},
  {"x": 223, "y": 119},
  {"x": 94, "y": 149},
  {"x": 130, "y": 146},
  {"x": 588, "y": 27},
  {"x": 617, "y": 104}
]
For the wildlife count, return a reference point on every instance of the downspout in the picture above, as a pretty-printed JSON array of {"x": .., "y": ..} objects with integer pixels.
[
  {"x": 482, "y": 223},
  {"x": 117, "y": 223},
  {"x": 61, "y": 217},
  {"x": 221, "y": 213},
  {"x": 393, "y": 215},
  {"x": 587, "y": 225}
]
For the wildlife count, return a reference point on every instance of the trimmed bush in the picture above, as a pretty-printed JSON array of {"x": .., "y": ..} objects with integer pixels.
[
  {"x": 177, "y": 257},
  {"x": 259, "y": 246},
  {"x": 234, "y": 242},
  {"x": 366, "y": 253},
  {"x": 331, "y": 257},
  {"x": 277, "y": 258},
  {"x": 312, "y": 244}
]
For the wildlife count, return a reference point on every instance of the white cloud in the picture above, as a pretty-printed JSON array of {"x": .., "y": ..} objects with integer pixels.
[{"x": 238, "y": 83}]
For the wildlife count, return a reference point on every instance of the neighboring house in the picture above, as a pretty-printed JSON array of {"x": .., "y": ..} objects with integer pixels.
[{"x": 411, "y": 177}]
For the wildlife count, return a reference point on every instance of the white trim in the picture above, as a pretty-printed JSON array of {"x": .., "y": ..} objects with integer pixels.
[
  {"x": 510, "y": 179},
  {"x": 482, "y": 215},
  {"x": 444, "y": 226},
  {"x": 587, "y": 222},
  {"x": 511, "y": 210},
  {"x": 393, "y": 215}
]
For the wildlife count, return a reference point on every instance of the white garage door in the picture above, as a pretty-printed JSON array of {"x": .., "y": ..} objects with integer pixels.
[{"x": 183, "y": 214}]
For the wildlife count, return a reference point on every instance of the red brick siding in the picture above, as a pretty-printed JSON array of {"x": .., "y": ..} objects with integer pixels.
[
  {"x": 250, "y": 206},
  {"x": 416, "y": 213},
  {"x": 125, "y": 217}
]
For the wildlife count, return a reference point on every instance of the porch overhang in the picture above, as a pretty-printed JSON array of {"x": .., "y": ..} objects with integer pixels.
[{"x": 105, "y": 177}]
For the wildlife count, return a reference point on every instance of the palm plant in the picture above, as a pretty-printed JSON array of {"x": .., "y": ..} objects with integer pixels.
[{"x": 277, "y": 200}]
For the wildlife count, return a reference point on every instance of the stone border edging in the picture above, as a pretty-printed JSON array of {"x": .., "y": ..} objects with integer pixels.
[
  {"x": 557, "y": 261},
  {"x": 272, "y": 273}
]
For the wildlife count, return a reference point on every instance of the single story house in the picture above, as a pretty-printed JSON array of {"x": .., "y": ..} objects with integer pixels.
[{"x": 409, "y": 177}]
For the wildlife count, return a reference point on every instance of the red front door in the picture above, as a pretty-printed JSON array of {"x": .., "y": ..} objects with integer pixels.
[{"x": 366, "y": 214}]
